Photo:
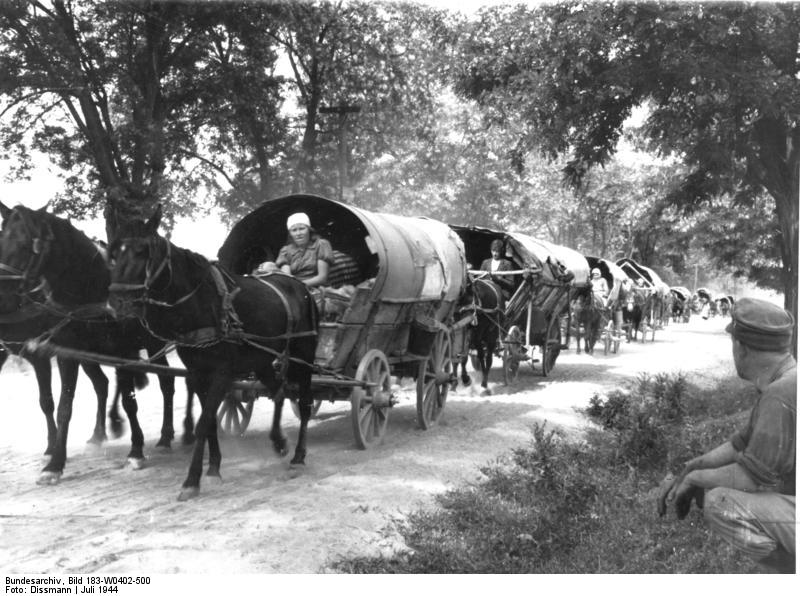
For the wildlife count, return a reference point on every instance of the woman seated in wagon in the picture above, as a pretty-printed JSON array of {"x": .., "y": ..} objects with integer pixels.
[{"x": 306, "y": 256}]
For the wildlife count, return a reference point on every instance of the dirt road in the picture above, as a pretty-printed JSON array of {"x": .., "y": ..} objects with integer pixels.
[{"x": 104, "y": 517}]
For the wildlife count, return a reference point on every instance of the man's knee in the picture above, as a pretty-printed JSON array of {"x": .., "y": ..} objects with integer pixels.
[{"x": 730, "y": 516}]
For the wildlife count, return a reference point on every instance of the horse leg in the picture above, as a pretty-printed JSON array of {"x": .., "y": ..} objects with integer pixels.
[
  {"x": 188, "y": 418},
  {"x": 466, "y": 380},
  {"x": 44, "y": 379},
  {"x": 51, "y": 473},
  {"x": 125, "y": 385},
  {"x": 486, "y": 365},
  {"x": 304, "y": 402},
  {"x": 210, "y": 389},
  {"x": 481, "y": 349},
  {"x": 116, "y": 423},
  {"x": 167, "y": 384},
  {"x": 276, "y": 433},
  {"x": 100, "y": 383}
]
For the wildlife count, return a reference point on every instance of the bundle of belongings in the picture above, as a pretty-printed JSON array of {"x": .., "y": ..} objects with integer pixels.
[{"x": 334, "y": 298}]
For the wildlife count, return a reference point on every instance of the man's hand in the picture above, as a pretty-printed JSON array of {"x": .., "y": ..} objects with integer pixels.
[
  {"x": 683, "y": 498},
  {"x": 664, "y": 489}
]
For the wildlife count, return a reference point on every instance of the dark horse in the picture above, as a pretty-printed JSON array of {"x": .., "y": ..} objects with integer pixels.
[
  {"x": 589, "y": 314},
  {"x": 38, "y": 246},
  {"x": 632, "y": 314},
  {"x": 225, "y": 326},
  {"x": 21, "y": 320},
  {"x": 486, "y": 299}
]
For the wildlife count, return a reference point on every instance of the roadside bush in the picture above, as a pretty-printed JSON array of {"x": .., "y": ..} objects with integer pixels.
[
  {"x": 642, "y": 417},
  {"x": 530, "y": 507},
  {"x": 558, "y": 507}
]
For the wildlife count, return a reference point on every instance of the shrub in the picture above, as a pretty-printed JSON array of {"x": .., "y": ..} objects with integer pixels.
[{"x": 642, "y": 417}]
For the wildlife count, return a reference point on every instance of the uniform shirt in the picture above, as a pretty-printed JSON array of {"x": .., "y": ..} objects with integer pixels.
[
  {"x": 303, "y": 261},
  {"x": 766, "y": 446}
]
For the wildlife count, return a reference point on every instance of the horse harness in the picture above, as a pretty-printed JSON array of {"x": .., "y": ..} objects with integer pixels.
[{"x": 229, "y": 327}]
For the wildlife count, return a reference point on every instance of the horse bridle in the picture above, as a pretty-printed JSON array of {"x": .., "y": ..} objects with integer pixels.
[
  {"x": 40, "y": 247},
  {"x": 151, "y": 276}
]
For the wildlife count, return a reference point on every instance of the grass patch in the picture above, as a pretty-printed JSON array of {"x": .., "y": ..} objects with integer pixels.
[{"x": 559, "y": 506}]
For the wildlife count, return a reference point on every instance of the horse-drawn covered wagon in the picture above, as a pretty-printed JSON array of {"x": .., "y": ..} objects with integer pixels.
[
  {"x": 681, "y": 303},
  {"x": 390, "y": 309},
  {"x": 618, "y": 284},
  {"x": 650, "y": 296},
  {"x": 535, "y": 320}
]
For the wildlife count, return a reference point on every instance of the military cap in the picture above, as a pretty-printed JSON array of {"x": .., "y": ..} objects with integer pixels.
[{"x": 761, "y": 325}]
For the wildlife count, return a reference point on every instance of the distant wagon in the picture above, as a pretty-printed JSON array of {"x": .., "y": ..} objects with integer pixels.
[
  {"x": 656, "y": 294},
  {"x": 615, "y": 279},
  {"x": 537, "y": 314},
  {"x": 682, "y": 303},
  {"x": 391, "y": 308}
]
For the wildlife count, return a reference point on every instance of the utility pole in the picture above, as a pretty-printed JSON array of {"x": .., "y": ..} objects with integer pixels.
[{"x": 342, "y": 110}]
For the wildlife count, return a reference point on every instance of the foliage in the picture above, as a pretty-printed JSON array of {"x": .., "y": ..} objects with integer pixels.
[
  {"x": 108, "y": 91},
  {"x": 719, "y": 80},
  {"x": 556, "y": 506},
  {"x": 642, "y": 416}
]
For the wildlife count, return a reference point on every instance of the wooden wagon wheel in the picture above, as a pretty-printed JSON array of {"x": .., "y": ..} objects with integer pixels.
[
  {"x": 433, "y": 381},
  {"x": 235, "y": 411},
  {"x": 607, "y": 337},
  {"x": 551, "y": 347},
  {"x": 512, "y": 354},
  {"x": 296, "y": 407},
  {"x": 370, "y": 405}
]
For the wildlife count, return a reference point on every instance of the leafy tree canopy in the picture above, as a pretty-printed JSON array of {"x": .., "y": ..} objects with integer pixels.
[{"x": 720, "y": 79}]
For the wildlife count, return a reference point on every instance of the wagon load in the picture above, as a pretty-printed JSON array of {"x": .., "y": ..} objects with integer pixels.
[
  {"x": 406, "y": 277},
  {"x": 544, "y": 275}
]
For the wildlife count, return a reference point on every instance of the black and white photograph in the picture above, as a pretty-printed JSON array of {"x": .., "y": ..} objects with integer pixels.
[{"x": 348, "y": 288}]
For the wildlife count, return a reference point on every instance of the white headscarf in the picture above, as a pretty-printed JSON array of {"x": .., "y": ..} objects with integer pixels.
[{"x": 297, "y": 219}]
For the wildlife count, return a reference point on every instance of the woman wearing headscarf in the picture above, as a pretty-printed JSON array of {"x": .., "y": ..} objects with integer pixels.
[{"x": 305, "y": 256}]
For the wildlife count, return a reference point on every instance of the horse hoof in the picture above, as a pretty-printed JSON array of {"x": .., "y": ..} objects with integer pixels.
[
  {"x": 486, "y": 392},
  {"x": 135, "y": 463},
  {"x": 189, "y": 493},
  {"x": 466, "y": 381},
  {"x": 48, "y": 478},
  {"x": 296, "y": 469},
  {"x": 96, "y": 440},
  {"x": 164, "y": 444},
  {"x": 117, "y": 429},
  {"x": 213, "y": 472},
  {"x": 188, "y": 439}
]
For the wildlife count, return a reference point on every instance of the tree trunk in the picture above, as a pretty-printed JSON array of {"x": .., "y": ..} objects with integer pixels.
[{"x": 787, "y": 210}]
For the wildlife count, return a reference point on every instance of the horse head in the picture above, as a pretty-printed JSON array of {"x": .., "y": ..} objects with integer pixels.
[
  {"x": 25, "y": 246},
  {"x": 138, "y": 256}
]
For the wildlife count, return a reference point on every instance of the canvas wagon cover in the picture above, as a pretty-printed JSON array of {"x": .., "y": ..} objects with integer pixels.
[
  {"x": 635, "y": 271},
  {"x": 681, "y": 291},
  {"x": 539, "y": 251},
  {"x": 412, "y": 259}
]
